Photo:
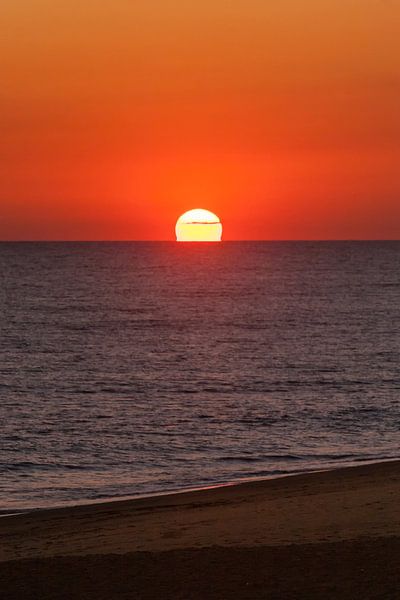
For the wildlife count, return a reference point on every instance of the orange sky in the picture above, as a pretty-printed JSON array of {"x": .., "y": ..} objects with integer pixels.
[{"x": 280, "y": 116}]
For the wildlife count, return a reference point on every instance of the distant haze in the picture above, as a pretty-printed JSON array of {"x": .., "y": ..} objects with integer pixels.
[{"x": 118, "y": 116}]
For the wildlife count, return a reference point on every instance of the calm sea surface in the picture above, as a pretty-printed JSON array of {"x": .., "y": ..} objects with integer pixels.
[{"x": 134, "y": 368}]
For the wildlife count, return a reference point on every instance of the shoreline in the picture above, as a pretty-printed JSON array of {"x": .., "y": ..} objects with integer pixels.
[
  {"x": 346, "y": 484},
  {"x": 5, "y": 513},
  {"x": 320, "y": 535}
]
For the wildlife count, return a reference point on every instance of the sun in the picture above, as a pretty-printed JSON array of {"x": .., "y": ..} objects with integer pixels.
[{"x": 198, "y": 225}]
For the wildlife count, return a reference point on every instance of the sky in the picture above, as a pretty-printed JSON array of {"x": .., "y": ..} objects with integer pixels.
[{"x": 280, "y": 116}]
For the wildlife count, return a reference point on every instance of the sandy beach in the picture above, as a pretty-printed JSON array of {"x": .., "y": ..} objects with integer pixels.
[{"x": 332, "y": 534}]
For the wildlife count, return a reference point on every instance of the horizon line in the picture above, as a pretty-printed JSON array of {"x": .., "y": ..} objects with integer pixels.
[{"x": 168, "y": 241}]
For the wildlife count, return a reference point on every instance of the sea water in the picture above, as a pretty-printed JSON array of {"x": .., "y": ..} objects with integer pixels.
[{"x": 136, "y": 368}]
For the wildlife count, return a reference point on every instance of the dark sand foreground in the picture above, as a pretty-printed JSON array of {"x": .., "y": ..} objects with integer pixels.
[{"x": 322, "y": 535}]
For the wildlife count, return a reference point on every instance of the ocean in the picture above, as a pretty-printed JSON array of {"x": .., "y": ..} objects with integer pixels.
[{"x": 138, "y": 368}]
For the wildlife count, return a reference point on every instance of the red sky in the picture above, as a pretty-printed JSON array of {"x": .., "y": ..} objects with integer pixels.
[{"x": 282, "y": 117}]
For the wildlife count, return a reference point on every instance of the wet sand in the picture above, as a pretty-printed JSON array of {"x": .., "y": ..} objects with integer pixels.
[{"x": 321, "y": 535}]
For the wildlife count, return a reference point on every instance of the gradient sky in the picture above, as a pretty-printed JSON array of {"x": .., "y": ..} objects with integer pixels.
[{"x": 281, "y": 116}]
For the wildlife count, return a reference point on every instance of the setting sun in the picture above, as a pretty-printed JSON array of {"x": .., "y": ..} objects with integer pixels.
[{"x": 198, "y": 225}]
